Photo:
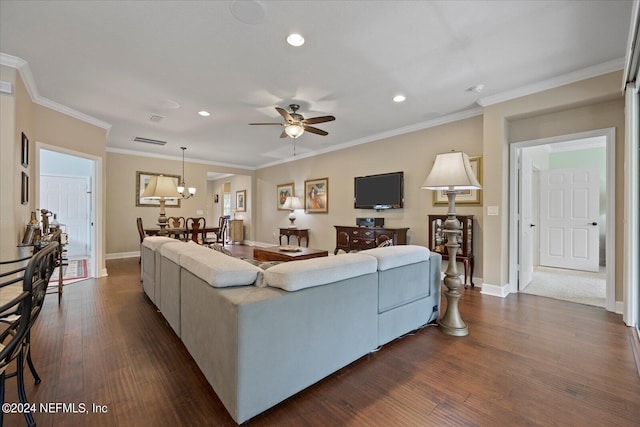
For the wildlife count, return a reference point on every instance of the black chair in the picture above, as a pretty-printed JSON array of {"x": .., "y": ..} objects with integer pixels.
[{"x": 19, "y": 310}]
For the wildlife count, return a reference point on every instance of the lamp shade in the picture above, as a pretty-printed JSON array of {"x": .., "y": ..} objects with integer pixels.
[
  {"x": 160, "y": 186},
  {"x": 451, "y": 171},
  {"x": 292, "y": 203},
  {"x": 294, "y": 130}
]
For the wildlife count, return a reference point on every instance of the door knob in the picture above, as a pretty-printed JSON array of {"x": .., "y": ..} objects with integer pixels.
[
  {"x": 594, "y": 223},
  {"x": 532, "y": 225}
]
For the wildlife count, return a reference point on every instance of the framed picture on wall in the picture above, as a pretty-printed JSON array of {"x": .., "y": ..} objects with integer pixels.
[
  {"x": 316, "y": 195},
  {"x": 24, "y": 189},
  {"x": 143, "y": 179},
  {"x": 464, "y": 197},
  {"x": 282, "y": 192},
  {"x": 241, "y": 201},
  {"x": 25, "y": 151}
]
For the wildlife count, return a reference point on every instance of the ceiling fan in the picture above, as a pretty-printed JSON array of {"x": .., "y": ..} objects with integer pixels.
[{"x": 295, "y": 124}]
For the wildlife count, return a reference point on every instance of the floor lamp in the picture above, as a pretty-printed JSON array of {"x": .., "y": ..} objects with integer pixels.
[
  {"x": 160, "y": 188},
  {"x": 452, "y": 173}
]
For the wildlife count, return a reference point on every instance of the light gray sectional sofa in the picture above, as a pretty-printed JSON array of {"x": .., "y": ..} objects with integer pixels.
[{"x": 260, "y": 336}]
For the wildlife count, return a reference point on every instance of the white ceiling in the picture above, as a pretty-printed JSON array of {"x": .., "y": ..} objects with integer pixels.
[{"x": 119, "y": 62}]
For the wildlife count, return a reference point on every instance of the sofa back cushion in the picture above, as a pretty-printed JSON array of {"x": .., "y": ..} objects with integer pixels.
[
  {"x": 295, "y": 275},
  {"x": 396, "y": 256},
  {"x": 219, "y": 270},
  {"x": 154, "y": 242}
]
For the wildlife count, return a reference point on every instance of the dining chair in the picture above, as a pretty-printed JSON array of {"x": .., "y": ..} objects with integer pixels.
[
  {"x": 219, "y": 234},
  {"x": 142, "y": 234},
  {"x": 19, "y": 309},
  {"x": 195, "y": 228},
  {"x": 178, "y": 223}
]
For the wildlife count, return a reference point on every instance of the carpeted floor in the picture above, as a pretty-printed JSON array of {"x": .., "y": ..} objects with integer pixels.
[{"x": 569, "y": 285}]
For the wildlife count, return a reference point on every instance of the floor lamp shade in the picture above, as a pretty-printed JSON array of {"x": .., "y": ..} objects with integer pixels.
[
  {"x": 452, "y": 172},
  {"x": 161, "y": 187}
]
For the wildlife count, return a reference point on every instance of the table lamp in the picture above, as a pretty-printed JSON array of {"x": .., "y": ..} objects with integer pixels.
[
  {"x": 161, "y": 188},
  {"x": 452, "y": 173},
  {"x": 292, "y": 203}
]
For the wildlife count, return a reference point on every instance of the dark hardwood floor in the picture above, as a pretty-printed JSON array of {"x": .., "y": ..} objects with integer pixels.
[{"x": 528, "y": 360}]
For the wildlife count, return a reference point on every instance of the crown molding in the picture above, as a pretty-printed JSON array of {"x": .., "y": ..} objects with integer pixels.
[
  {"x": 176, "y": 158},
  {"x": 576, "y": 76},
  {"x": 27, "y": 77}
]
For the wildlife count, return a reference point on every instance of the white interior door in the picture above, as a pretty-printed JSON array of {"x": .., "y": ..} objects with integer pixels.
[
  {"x": 68, "y": 197},
  {"x": 569, "y": 211},
  {"x": 527, "y": 225}
]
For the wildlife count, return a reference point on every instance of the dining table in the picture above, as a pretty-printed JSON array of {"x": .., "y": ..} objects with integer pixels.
[{"x": 179, "y": 233}]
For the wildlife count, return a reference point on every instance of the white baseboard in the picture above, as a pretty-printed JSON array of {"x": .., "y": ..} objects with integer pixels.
[
  {"x": 120, "y": 255},
  {"x": 619, "y": 307},
  {"x": 495, "y": 290},
  {"x": 103, "y": 272}
]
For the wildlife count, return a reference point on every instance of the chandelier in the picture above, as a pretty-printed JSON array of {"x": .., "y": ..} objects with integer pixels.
[{"x": 181, "y": 187}]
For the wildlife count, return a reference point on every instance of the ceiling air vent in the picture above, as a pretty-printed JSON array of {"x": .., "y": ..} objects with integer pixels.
[
  {"x": 149, "y": 141},
  {"x": 155, "y": 118}
]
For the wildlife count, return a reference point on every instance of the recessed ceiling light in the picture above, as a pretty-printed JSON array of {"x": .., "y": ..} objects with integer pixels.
[
  {"x": 204, "y": 113},
  {"x": 295, "y": 40},
  {"x": 399, "y": 98}
]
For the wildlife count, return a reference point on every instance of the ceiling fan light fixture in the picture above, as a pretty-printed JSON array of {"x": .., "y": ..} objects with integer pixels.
[
  {"x": 294, "y": 130},
  {"x": 295, "y": 40}
]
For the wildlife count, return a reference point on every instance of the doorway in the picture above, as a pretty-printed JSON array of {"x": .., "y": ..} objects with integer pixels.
[
  {"x": 66, "y": 188},
  {"x": 529, "y": 161}
]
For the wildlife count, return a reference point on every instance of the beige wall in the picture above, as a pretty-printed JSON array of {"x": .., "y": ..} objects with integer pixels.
[
  {"x": 596, "y": 116},
  {"x": 121, "y": 210},
  {"x": 42, "y": 126},
  {"x": 571, "y": 108},
  {"x": 412, "y": 153}
]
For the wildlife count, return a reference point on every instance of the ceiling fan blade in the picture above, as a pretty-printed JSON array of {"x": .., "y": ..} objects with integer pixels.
[
  {"x": 315, "y": 130},
  {"x": 279, "y": 124},
  {"x": 322, "y": 119},
  {"x": 285, "y": 114},
  {"x": 283, "y": 134}
]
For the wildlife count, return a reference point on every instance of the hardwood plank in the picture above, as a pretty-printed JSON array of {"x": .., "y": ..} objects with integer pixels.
[{"x": 528, "y": 360}]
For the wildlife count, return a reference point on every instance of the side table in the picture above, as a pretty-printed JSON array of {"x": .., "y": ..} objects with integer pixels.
[{"x": 300, "y": 233}]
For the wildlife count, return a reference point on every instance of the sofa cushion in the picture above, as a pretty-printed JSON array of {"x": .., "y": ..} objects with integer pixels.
[
  {"x": 296, "y": 275},
  {"x": 219, "y": 270},
  {"x": 396, "y": 256},
  {"x": 174, "y": 250},
  {"x": 154, "y": 242}
]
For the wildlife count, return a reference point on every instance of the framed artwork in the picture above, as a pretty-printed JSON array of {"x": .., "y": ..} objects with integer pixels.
[
  {"x": 24, "y": 189},
  {"x": 316, "y": 195},
  {"x": 25, "y": 150},
  {"x": 143, "y": 179},
  {"x": 241, "y": 201},
  {"x": 282, "y": 192},
  {"x": 464, "y": 197}
]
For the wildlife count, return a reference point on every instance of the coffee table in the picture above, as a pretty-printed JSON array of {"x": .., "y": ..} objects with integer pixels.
[{"x": 274, "y": 253}]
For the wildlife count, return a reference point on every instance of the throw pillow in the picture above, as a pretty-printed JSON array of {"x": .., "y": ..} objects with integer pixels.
[
  {"x": 386, "y": 242},
  {"x": 220, "y": 248}
]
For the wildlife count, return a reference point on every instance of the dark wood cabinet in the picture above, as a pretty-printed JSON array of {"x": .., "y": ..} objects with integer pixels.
[
  {"x": 438, "y": 242},
  {"x": 299, "y": 233},
  {"x": 361, "y": 238}
]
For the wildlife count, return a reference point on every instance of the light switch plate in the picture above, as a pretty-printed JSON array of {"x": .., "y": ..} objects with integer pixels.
[
  {"x": 493, "y": 210},
  {"x": 199, "y": 212}
]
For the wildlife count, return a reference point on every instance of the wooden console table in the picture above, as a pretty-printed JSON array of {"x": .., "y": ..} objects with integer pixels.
[
  {"x": 300, "y": 233},
  {"x": 360, "y": 238}
]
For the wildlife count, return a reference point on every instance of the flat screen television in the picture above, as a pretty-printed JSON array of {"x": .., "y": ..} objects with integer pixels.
[{"x": 383, "y": 191}]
